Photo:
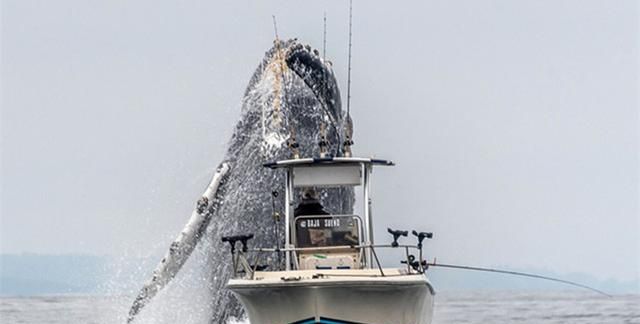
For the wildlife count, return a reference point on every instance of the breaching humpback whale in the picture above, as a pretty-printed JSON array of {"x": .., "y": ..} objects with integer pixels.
[{"x": 292, "y": 100}]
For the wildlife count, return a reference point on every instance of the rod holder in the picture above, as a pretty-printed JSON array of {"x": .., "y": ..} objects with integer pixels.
[
  {"x": 235, "y": 238},
  {"x": 323, "y": 143},
  {"x": 396, "y": 235},
  {"x": 293, "y": 145},
  {"x": 346, "y": 147},
  {"x": 421, "y": 236}
]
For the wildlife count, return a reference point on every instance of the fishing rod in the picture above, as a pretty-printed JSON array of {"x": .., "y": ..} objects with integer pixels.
[
  {"x": 324, "y": 38},
  {"x": 347, "y": 123},
  {"x": 422, "y": 265},
  {"x": 280, "y": 58},
  {"x": 276, "y": 221},
  {"x": 516, "y": 273},
  {"x": 349, "y": 64}
]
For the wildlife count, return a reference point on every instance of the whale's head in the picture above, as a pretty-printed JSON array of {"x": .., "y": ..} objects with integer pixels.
[{"x": 293, "y": 94}]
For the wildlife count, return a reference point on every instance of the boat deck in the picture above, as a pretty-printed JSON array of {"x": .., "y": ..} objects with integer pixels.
[{"x": 370, "y": 277}]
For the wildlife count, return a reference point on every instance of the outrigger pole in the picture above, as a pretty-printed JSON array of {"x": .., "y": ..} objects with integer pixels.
[{"x": 516, "y": 273}]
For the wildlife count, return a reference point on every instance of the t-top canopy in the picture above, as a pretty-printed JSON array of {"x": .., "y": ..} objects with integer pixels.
[
  {"x": 329, "y": 160},
  {"x": 327, "y": 172}
]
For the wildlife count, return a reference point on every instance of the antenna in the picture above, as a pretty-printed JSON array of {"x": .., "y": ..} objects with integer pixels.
[
  {"x": 324, "y": 38},
  {"x": 349, "y": 64}
]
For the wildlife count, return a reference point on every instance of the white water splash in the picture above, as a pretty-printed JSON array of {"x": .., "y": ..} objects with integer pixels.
[{"x": 233, "y": 320}]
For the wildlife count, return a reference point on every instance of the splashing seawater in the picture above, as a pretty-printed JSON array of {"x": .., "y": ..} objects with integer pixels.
[{"x": 233, "y": 320}]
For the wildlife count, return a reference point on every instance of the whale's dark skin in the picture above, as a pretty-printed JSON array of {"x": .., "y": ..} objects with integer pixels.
[{"x": 292, "y": 92}]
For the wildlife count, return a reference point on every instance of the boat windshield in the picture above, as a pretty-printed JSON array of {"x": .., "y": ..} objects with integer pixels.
[{"x": 327, "y": 230}]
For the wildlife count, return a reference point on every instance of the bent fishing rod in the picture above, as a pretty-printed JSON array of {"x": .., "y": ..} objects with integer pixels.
[
  {"x": 516, "y": 273},
  {"x": 422, "y": 265}
]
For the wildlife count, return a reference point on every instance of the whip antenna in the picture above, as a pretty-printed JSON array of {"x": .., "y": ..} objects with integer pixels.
[{"x": 349, "y": 64}]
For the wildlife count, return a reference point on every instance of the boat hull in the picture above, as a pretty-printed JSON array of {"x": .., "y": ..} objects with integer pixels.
[{"x": 406, "y": 299}]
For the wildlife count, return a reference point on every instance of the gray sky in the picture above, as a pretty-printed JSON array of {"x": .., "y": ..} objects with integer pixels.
[{"x": 514, "y": 124}]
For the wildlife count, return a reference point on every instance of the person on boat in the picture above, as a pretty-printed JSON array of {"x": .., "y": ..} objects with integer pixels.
[{"x": 309, "y": 204}]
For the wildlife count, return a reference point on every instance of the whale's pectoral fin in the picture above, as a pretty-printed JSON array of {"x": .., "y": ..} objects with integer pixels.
[{"x": 182, "y": 247}]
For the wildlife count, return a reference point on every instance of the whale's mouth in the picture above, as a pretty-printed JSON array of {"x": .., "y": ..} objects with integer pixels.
[{"x": 317, "y": 74}]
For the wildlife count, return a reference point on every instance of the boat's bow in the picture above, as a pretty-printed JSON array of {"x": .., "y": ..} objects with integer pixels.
[{"x": 336, "y": 296}]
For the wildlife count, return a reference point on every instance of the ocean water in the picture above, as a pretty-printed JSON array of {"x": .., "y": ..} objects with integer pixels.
[{"x": 494, "y": 307}]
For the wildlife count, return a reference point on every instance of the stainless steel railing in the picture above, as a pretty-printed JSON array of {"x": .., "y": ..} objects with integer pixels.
[{"x": 240, "y": 257}]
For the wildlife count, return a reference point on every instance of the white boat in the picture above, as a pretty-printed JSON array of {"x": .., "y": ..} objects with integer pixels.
[{"x": 331, "y": 272}]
